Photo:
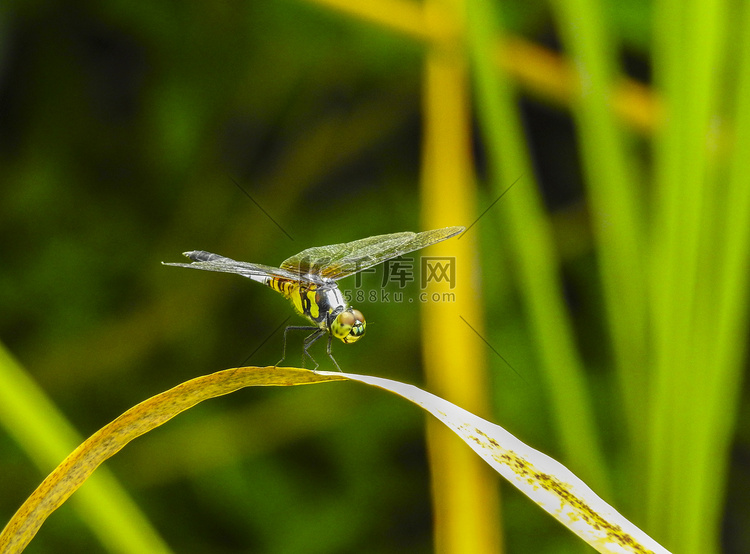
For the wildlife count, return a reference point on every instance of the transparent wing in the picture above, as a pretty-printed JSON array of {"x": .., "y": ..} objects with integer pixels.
[
  {"x": 340, "y": 260},
  {"x": 213, "y": 262}
]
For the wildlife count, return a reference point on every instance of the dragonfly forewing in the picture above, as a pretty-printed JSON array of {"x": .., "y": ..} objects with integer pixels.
[{"x": 337, "y": 261}]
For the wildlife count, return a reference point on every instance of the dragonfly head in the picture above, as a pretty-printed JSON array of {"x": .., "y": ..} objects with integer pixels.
[{"x": 349, "y": 325}]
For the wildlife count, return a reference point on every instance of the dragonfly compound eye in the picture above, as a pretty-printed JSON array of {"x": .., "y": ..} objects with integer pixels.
[{"x": 349, "y": 326}]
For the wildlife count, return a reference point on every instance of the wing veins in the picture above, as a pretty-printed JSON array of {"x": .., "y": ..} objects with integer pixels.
[
  {"x": 337, "y": 261},
  {"x": 213, "y": 262}
]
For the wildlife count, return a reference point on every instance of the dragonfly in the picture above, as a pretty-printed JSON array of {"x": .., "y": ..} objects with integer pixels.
[{"x": 309, "y": 280}]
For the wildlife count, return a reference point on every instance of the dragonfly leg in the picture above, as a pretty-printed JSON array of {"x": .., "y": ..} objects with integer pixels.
[
  {"x": 295, "y": 328},
  {"x": 330, "y": 340},
  {"x": 308, "y": 342}
]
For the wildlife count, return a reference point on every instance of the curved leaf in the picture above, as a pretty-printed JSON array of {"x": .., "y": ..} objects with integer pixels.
[
  {"x": 541, "y": 478},
  {"x": 546, "y": 481},
  {"x": 140, "y": 419}
]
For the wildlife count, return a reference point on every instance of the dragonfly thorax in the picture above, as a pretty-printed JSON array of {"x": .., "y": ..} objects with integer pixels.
[{"x": 325, "y": 306}]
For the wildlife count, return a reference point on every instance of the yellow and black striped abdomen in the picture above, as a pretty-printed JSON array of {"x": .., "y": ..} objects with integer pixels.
[{"x": 304, "y": 298}]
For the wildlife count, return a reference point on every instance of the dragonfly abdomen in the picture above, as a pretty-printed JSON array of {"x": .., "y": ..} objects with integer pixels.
[
  {"x": 311, "y": 300},
  {"x": 303, "y": 297}
]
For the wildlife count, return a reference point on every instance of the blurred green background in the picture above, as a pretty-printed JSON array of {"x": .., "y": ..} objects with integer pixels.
[{"x": 123, "y": 127}]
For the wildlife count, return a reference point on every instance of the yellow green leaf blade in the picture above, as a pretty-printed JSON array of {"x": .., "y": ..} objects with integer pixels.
[
  {"x": 550, "y": 484},
  {"x": 39, "y": 428},
  {"x": 540, "y": 477},
  {"x": 140, "y": 419}
]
